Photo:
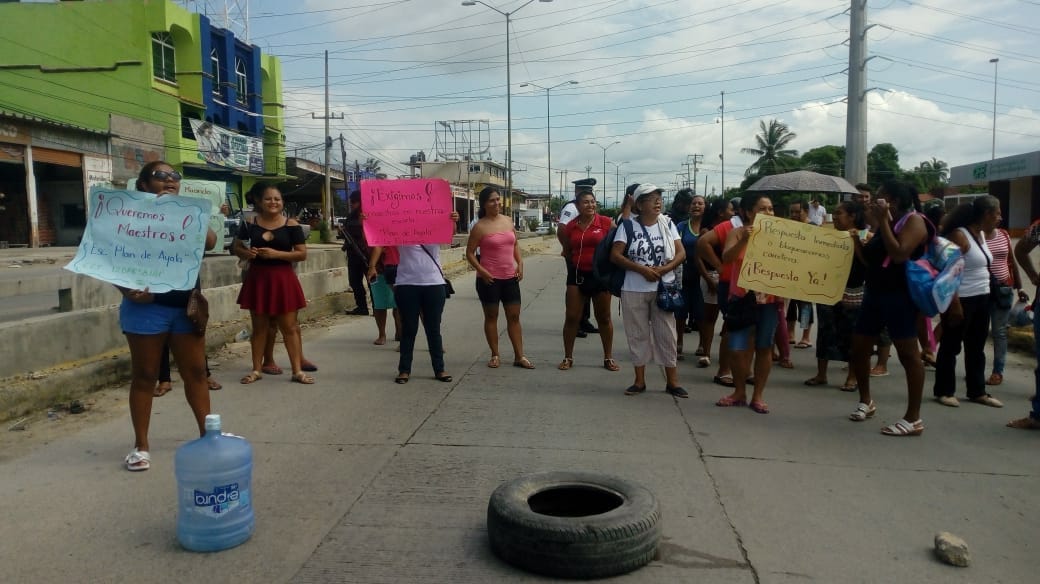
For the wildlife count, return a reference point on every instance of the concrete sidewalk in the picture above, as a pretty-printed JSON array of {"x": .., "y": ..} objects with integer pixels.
[{"x": 358, "y": 479}]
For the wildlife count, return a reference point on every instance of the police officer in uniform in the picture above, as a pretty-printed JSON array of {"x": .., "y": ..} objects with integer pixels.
[{"x": 567, "y": 214}]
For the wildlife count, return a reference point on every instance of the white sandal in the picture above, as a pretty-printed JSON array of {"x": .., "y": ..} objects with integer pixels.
[
  {"x": 863, "y": 411},
  {"x": 138, "y": 460},
  {"x": 904, "y": 428}
]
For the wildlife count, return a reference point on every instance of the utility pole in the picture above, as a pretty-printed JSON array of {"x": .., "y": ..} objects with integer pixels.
[
  {"x": 343, "y": 161},
  {"x": 588, "y": 170},
  {"x": 697, "y": 158},
  {"x": 688, "y": 165},
  {"x": 326, "y": 196},
  {"x": 705, "y": 183},
  {"x": 856, "y": 120}
]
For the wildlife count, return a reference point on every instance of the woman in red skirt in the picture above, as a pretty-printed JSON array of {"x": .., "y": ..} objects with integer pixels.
[{"x": 271, "y": 242}]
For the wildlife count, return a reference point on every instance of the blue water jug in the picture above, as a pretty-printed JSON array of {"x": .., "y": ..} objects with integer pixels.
[{"x": 214, "y": 490}]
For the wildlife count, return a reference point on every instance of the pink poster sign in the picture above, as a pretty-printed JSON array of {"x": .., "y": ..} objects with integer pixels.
[{"x": 407, "y": 211}]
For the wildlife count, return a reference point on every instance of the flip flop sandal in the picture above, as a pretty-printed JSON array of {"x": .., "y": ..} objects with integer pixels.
[
  {"x": 303, "y": 378},
  {"x": 252, "y": 377},
  {"x": 214, "y": 385},
  {"x": 162, "y": 389},
  {"x": 1024, "y": 424},
  {"x": 271, "y": 369},
  {"x": 786, "y": 364},
  {"x": 138, "y": 460},
  {"x": 523, "y": 363},
  {"x": 812, "y": 382},
  {"x": 610, "y": 365},
  {"x": 803, "y": 345},
  {"x": 703, "y": 362},
  {"x": 566, "y": 364},
  {"x": 723, "y": 380},
  {"x": 863, "y": 411},
  {"x": 306, "y": 365},
  {"x": 729, "y": 402},
  {"x": 849, "y": 388},
  {"x": 759, "y": 407},
  {"x": 443, "y": 378},
  {"x": 401, "y": 378},
  {"x": 494, "y": 362}
]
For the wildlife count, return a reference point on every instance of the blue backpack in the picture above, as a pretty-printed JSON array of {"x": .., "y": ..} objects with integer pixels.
[
  {"x": 610, "y": 275},
  {"x": 935, "y": 277}
]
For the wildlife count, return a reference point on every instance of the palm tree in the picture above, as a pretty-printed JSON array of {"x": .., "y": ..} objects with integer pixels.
[
  {"x": 773, "y": 156},
  {"x": 372, "y": 165}
]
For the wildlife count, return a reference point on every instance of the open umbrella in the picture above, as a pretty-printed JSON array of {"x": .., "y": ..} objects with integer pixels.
[{"x": 803, "y": 181}]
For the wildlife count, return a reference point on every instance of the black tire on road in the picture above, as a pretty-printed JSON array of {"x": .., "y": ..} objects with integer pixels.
[{"x": 585, "y": 544}]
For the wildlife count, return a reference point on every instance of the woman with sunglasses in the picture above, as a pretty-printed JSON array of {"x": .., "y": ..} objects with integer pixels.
[
  {"x": 150, "y": 321},
  {"x": 580, "y": 238}
]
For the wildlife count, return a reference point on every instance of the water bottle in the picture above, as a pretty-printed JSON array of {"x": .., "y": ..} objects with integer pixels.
[{"x": 214, "y": 494}]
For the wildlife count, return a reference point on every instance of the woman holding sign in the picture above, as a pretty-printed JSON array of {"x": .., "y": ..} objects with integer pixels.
[
  {"x": 499, "y": 272},
  {"x": 150, "y": 321},
  {"x": 742, "y": 344},
  {"x": 271, "y": 288},
  {"x": 420, "y": 291}
]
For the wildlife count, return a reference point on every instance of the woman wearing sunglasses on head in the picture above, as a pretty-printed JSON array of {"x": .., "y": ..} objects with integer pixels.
[{"x": 150, "y": 321}]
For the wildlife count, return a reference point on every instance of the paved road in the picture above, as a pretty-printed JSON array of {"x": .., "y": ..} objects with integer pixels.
[{"x": 361, "y": 480}]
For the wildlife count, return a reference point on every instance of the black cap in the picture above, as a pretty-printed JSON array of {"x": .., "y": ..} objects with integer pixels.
[{"x": 584, "y": 184}]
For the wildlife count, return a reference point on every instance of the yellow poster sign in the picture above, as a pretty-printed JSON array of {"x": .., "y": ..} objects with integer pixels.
[{"x": 796, "y": 260}]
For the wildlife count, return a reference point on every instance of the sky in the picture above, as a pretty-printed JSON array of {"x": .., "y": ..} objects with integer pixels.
[{"x": 649, "y": 76}]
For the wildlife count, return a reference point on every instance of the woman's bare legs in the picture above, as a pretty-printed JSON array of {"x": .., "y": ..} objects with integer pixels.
[
  {"x": 189, "y": 350},
  {"x": 258, "y": 342},
  {"x": 514, "y": 330},
  {"x": 491, "y": 327},
  {"x": 601, "y": 306},
  {"x": 145, "y": 352},
  {"x": 293, "y": 340},
  {"x": 575, "y": 305}
]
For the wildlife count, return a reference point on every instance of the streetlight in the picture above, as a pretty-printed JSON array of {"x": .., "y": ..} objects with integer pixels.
[
  {"x": 993, "y": 153},
  {"x": 605, "y": 148},
  {"x": 548, "y": 141},
  {"x": 722, "y": 154},
  {"x": 617, "y": 182},
  {"x": 509, "y": 95}
]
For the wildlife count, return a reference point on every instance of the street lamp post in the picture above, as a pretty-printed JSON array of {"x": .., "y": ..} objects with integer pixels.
[
  {"x": 548, "y": 140},
  {"x": 509, "y": 95},
  {"x": 993, "y": 152},
  {"x": 605, "y": 148},
  {"x": 617, "y": 182}
]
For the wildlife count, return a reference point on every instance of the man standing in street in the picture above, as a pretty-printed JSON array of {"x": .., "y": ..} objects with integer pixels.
[
  {"x": 567, "y": 214},
  {"x": 357, "y": 254}
]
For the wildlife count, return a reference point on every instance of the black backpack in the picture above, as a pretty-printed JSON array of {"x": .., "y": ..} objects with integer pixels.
[{"x": 610, "y": 275}]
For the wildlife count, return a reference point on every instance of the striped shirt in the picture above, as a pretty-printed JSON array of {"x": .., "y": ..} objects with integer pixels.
[{"x": 1000, "y": 248}]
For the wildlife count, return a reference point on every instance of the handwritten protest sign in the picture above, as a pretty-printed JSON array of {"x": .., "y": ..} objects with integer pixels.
[
  {"x": 215, "y": 192},
  {"x": 407, "y": 211},
  {"x": 138, "y": 240},
  {"x": 796, "y": 260}
]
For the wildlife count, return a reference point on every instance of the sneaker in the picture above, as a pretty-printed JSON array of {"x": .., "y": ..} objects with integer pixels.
[
  {"x": 676, "y": 391},
  {"x": 358, "y": 311},
  {"x": 949, "y": 401},
  {"x": 634, "y": 389}
]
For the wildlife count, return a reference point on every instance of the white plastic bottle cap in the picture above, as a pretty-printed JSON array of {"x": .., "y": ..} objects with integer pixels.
[{"x": 213, "y": 422}]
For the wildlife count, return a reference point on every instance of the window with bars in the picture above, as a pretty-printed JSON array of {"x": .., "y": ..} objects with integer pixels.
[
  {"x": 241, "y": 82},
  {"x": 163, "y": 63},
  {"x": 214, "y": 63}
]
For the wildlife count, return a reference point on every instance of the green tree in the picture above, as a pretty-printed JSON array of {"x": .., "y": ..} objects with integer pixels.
[
  {"x": 773, "y": 155},
  {"x": 930, "y": 174},
  {"x": 825, "y": 160},
  {"x": 372, "y": 165},
  {"x": 883, "y": 164}
]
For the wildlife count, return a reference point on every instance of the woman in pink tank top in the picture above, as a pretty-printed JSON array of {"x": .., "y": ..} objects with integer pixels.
[{"x": 499, "y": 271}]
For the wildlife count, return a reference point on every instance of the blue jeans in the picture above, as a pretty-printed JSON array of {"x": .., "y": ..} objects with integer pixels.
[
  {"x": 413, "y": 301},
  {"x": 999, "y": 329}
]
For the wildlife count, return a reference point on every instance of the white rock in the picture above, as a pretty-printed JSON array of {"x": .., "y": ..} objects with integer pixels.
[{"x": 952, "y": 549}]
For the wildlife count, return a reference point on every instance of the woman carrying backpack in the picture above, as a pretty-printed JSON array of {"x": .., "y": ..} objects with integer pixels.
[
  {"x": 966, "y": 322},
  {"x": 887, "y": 302}
]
